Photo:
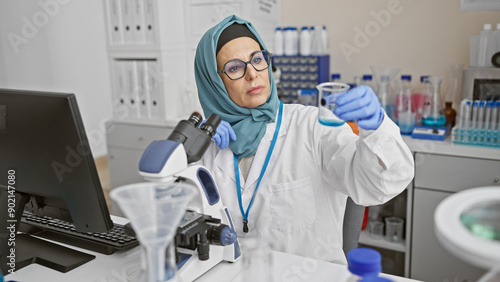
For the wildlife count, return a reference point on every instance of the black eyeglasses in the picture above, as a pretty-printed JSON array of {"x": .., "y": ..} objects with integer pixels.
[{"x": 236, "y": 69}]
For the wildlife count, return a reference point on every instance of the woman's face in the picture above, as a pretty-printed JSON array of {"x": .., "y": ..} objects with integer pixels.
[{"x": 253, "y": 88}]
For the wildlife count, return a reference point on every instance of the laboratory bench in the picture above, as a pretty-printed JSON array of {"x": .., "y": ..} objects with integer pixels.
[
  {"x": 125, "y": 266},
  {"x": 441, "y": 168}
]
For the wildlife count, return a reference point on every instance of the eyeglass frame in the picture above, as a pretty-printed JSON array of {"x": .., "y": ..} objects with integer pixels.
[{"x": 246, "y": 64}]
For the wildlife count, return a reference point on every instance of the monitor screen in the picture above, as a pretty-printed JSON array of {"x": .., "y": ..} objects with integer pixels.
[{"x": 43, "y": 145}]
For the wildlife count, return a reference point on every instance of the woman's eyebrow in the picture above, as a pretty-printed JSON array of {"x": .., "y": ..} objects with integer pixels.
[
  {"x": 249, "y": 56},
  {"x": 253, "y": 53}
]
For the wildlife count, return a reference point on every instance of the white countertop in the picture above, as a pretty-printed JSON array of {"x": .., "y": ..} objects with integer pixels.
[{"x": 447, "y": 147}]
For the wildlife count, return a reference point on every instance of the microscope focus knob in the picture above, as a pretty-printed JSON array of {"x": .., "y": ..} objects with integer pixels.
[{"x": 221, "y": 235}]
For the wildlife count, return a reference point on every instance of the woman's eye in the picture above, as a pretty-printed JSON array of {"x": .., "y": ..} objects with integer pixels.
[
  {"x": 233, "y": 69},
  {"x": 257, "y": 60}
]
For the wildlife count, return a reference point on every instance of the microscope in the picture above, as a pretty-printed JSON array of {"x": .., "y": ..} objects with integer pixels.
[{"x": 206, "y": 234}]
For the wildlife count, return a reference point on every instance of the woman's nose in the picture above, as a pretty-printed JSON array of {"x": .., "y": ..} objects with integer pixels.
[{"x": 251, "y": 72}]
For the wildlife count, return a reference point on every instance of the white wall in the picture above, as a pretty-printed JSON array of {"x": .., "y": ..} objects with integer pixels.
[
  {"x": 420, "y": 37},
  {"x": 3, "y": 70},
  {"x": 64, "y": 51}
]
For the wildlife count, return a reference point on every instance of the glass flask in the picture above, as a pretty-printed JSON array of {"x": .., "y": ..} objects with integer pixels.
[{"x": 433, "y": 109}]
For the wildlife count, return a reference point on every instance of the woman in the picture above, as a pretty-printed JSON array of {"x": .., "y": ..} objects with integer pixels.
[{"x": 284, "y": 177}]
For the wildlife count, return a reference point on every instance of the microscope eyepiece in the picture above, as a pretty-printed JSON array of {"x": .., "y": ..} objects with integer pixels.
[
  {"x": 195, "y": 119},
  {"x": 210, "y": 126},
  {"x": 195, "y": 140}
]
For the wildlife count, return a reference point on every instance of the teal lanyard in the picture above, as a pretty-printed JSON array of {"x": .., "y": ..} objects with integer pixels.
[{"x": 237, "y": 172}]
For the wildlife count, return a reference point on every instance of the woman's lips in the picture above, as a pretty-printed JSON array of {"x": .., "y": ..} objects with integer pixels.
[{"x": 255, "y": 90}]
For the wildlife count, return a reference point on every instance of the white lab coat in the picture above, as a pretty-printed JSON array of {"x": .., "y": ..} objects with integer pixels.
[{"x": 300, "y": 203}]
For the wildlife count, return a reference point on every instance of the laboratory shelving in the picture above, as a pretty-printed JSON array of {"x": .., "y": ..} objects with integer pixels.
[
  {"x": 395, "y": 255},
  {"x": 151, "y": 47},
  {"x": 366, "y": 239}
]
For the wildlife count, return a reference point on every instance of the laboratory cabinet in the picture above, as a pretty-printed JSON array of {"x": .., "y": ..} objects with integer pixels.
[
  {"x": 441, "y": 169},
  {"x": 436, "y": 177}
]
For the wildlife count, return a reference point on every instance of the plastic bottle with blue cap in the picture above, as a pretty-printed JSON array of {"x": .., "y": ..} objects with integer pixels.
[
  {"x": 367, "y": 79},
  {"x": 335, "y": 77},
  {"x": 363, "y": 263},
  {"x": 324, "y": 39},
  {"x": 278, "y": 42},
  {"x": 289, "y": 45},
  {"x": 295, "y": 42},
  {"x": 305, "y": 42}
]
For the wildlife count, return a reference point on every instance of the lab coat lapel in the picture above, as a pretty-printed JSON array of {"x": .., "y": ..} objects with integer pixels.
[
  {"x": 224, "y": 160},
  {"x": 261, "y": 154}
]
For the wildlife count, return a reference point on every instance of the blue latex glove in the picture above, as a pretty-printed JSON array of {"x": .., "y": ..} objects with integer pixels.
[
  {"x": 360, "y": 104},
  {"x": 224, "y": 132}
]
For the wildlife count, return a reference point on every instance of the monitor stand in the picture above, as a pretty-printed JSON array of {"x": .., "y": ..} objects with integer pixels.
[{"x": 18, "y": 250}]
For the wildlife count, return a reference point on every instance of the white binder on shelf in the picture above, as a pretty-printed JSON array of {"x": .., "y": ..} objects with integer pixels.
[
  {"x": 132, "y": 92},
  {"x": 142, "y": 75},
  {"x": 154, "y": 90},
  {"x": 138, "y": 22},
  {"x": 120, "y": 100},
  {"x": 127, "y": 21},
  {"x": 149, "y": 21},
  {"x": 113, "y": 11}
]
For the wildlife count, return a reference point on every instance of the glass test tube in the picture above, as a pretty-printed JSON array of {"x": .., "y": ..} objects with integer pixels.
[
  {"x": 473, "y": 123},
  {"x": 461, "y": 121},
  {"x": 494, "y": 121},
  {"x": 480, "y": 120},
  {"x": 487, "y": 121},
  {"x": 487, "y": 115},
  {"x": 480, "y": 115},
  {"x": 467, "y": 112}
]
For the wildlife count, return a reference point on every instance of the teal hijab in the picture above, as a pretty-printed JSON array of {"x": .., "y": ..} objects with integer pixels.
[{"x": 249, "y": 124}]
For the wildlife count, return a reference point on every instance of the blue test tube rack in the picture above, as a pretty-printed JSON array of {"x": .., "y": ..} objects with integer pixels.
[{"x": 486, "y": 132}]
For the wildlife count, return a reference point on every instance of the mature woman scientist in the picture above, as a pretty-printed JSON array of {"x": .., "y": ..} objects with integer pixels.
[{"x": 285, "y": 177}]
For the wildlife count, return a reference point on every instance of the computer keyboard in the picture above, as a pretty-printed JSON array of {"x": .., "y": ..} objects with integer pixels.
[{"x": 64, "y": 232}]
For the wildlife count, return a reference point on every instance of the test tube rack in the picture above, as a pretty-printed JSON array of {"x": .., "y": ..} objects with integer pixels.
[{"x": 478, "y": 137}]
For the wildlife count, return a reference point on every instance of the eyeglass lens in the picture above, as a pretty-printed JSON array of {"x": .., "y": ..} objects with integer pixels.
[{"x": 236, "y": 68}]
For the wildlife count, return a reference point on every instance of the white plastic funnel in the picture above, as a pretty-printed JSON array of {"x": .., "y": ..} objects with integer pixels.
[{"x": 155, "y": 210}]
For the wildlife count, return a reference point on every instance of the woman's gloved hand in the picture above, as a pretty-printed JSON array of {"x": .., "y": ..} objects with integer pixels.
[
  {"x": 360, "y": 104},
  {"x": 224, "y": 132}
]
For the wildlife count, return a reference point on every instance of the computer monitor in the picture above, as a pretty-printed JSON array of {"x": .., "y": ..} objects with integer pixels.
[{"x": 46, "y": 167}]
